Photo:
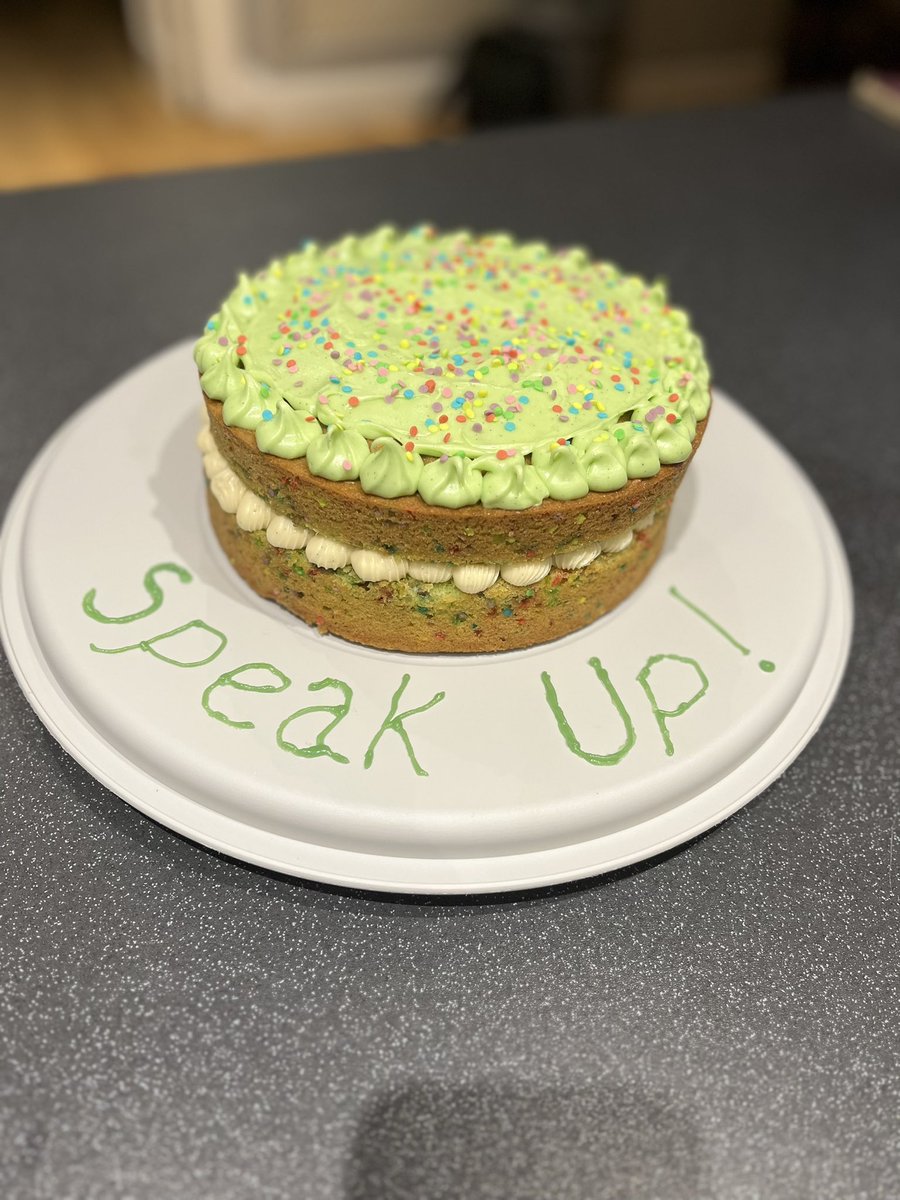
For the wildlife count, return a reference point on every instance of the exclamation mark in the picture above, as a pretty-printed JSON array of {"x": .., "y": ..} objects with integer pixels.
[{"x": 764, "y": 664}]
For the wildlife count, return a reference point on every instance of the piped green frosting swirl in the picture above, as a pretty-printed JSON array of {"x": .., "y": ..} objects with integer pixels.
[
  {"x": 286, "y": 433},
  {"x": 641, "y": 457},
  {"x": 562, "y": 470},
  {"x": 389, "y": 470},
  {"x": 248, "y": 401},
  {"x": 509, "y": 355},
  {"x": 513, "y": 486},
  {"x": 338, "y": 455},
  {"x": 450, "y": 482}
]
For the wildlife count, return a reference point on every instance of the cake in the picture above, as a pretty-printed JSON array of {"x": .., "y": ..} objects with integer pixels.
[{"x": 446, "y": 443}]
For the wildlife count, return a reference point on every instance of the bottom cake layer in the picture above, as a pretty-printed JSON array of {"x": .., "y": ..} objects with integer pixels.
[{"x": 436, "y": 618}]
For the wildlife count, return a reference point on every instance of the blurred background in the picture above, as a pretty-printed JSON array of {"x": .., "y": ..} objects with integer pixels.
[{"x": 97, "y": 88}]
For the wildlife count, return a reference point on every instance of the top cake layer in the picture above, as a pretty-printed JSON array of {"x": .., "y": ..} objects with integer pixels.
[{"x": 469, "y": 369}]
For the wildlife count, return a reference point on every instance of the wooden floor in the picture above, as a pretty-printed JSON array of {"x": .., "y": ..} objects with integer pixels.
[{"x": 78, "y": 105}]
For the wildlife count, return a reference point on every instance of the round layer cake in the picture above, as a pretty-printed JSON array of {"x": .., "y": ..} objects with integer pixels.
[{"x": 447, "y": 443}]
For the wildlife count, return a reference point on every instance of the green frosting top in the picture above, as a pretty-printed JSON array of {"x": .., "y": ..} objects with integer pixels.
[{"x": 547, "y": 373}]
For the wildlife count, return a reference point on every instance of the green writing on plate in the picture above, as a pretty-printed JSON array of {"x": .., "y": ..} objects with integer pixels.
[
  {"x": 662, "y": 715},
  {"x": 151, "y": 587},
  {"x": 394, "y": 721},
  {"x": 149, "y": 645},
  {"x": 338, "y": 711},
  {"x": 671, "y": 685},
  {"x": 230, "y": 680},
  {"x": 565, "y": 728},
  {"x": 764, "y": 664}
]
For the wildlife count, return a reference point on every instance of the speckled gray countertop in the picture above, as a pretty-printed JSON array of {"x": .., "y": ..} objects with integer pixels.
[{"x": 720, "y": 1022}]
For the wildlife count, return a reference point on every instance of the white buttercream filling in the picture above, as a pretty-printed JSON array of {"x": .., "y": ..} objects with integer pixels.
[
  {"x": 205, "y": 440},
  {"x": 326, "y": 552},
  {"x": 253, "y": 514},
  {"x": 374, "y": 567},
  {"x": 621, "y": 541},
  {"x": 524, "y": 574},
  {"x": 473, "y": 578},
  {"x": 285, "y": 535},
  {"x": 213, "y": 463},
  {"x": 430, "y": 572},
  {"x": 572, "y": 560},
  {"x": 227, "y": 489}
]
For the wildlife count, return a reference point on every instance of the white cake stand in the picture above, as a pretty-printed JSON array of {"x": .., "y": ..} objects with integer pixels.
[{"x": 522, "y": 769}]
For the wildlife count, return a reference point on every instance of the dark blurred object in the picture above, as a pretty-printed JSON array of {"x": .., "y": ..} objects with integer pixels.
[
  {"x": 829, "y": 39},
  {"x": 508, "y": 76},
  {"x": 553, "y": 60}
]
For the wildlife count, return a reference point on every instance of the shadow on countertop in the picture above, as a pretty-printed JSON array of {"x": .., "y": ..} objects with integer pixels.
[{"x": 497, "y": 1139}]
